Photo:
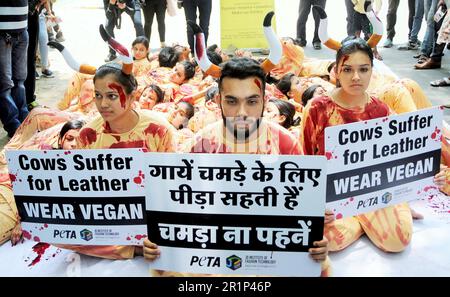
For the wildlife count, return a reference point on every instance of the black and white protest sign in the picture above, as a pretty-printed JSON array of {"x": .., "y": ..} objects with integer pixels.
[
  {"x": 381, "y": 162},
  {"x": 91, "y": 197},
  {"x": 235, "y": 214}
]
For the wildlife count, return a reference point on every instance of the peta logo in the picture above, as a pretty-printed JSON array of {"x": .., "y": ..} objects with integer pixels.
[
  {"x": 205, "y": 261},
  {"x": 86, "y": 234},
  {"x": 234, "y": 262},
  {"x": 368, "y": 202},
  {"x": 68, "y": 234},
  {"x": 386, "y": 198}
]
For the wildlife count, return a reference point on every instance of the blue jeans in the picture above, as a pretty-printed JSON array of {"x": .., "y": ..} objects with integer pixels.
[
  {"x": 428, "y": 41},
  {"x": 417, "y": 23},
  {"x": 13, "y": 72}
]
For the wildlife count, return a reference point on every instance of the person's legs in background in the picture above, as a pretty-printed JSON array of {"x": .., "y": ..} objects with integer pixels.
[
  {"x": 349, "y": 6},
  {"x": 43, "y": 47},
  {"x": 316, "y": 40},
  {"x": 391, "y": 19},
  {"x": 149, "y": 12},
  {"x": 303, "y": 12},
  {"x": 136, "y": 17},
  {"x": 30, "y": 82},
  {"x": 190, "y": 12},
  {"x": 161, "y": 18},
  {"x": 13, "y": 71},
  {"x": 204, "y": 9}
]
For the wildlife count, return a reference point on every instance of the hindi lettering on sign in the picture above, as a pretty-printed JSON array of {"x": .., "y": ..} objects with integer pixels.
[
  {"x": 165, "y": 171},
  {"x": 167, "y": 231},
  {"x": 283, "y": 236},
  {"x": 233, "y": 234},
  {"x": 184, "y": 196},
  {"x": 246, "y": 199},
  {"x": 207, "y": 173},
  {"x": 297, "y": 174},
  {"x": 290, "y": 200},
  {"x": 262, "y": 173}
]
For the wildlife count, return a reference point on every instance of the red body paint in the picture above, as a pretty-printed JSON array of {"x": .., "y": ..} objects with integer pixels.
[
  {"x": 199, "y": 50},
  {"x": 119, "y": 89},
  {"x": 155, "y": 129},
  {"x": 39, "y": 249},
  {"x": 12, "y": 177},
  {"x": 88, "y": 136},
  {"x": 129, "y": 144},
  {"x": 258, "y": 83},
  {"x": 26, "y": 234}
]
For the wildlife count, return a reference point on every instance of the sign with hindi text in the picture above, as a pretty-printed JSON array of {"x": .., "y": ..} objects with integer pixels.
[{"x": 235, "y": 214}]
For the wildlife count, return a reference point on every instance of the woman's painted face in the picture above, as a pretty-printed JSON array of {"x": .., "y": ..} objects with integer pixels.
[
  {"x": 178, "y": 116},
  {"x": 319, "y": 92},
  {"x": 69, "y": 141},
  {"x": 296, "y": 89},
  {"x": 271, "y": 112},
  {"x": 110, "y": 98},
  {"x": 148, "y": 98},
  {"x": 178, "y": 74},
  {"x": 354, "y": 72},
  {"x": 139, "y": 51}
]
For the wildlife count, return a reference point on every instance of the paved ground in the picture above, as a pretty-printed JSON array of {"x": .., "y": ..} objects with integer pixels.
[{"x": 82, "y": 18}]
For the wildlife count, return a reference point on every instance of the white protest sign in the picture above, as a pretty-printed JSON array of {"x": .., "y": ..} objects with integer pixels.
[
  {"x": 382, "y": 162},
  {"x": 235, "y": 214},
  {"x": 90, "y": 197}
]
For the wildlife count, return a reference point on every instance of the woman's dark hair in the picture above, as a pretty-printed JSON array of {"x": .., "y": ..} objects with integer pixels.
[
  {"x": 71, "y": 125},
  {"x": 141, "y": 40},
  {"x": 288, "y": 111},
  {"x": 352, "y": 45},
  {"x": 242, "y": 68},
  {"x": 211, "y": 93},
  {"x": 168, "y": 57},
  {"x": 127, "y": 81},
  {"x": 159, "y": 93},
  {"x": 213, "y": 47},
  {"x": 189, "y": 69},
  {"x": 189, "y": 109},
  {"x": 214, "y": 57},
  {"x": 309, "y": 93},
  {"x": 284, "y": 85}
]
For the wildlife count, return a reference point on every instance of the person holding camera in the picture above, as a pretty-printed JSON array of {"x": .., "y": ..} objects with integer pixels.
[
  {"x": 114, "y": 10},
  {"x": 190, "y": 9}
]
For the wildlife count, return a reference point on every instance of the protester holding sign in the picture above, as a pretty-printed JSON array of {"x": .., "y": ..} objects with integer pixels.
[{"x": 242, "y": 87}]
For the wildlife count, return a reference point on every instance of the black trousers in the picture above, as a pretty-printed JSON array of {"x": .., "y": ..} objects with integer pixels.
[
  {"x": 190, "y": 11},
  {"x": 33, "y": 33},
  {"x": 112, "y": 14},
  {"x": 303, "y": 11},
  {"x": 151, "y": 8},
  {"x": 391, "y": 17}
]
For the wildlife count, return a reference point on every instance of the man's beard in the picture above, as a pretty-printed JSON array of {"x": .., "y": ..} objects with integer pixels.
[{"x": 241, "y": 134}]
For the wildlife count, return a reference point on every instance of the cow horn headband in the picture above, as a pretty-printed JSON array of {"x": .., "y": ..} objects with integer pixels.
[
  {"x": 377, "y": 26},
  {"x": 122, "y": 52},
  {"x": 209, "y": 68}
]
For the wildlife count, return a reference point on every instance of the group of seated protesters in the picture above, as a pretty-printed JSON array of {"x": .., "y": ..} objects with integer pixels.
[{"x": 169, "y": 104}]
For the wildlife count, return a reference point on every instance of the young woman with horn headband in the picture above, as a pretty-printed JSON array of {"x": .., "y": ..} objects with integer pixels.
[
  {"x": 119, "y": 125},
  {"x": 349, "y": 103},
  {"x": 403, "y": 95}
]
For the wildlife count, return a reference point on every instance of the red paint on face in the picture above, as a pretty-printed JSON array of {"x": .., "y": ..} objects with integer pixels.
[
  {"x": 88, "y": 136},
  {"x": 119, "y": 89},
  {"x": 258, "y": 83},
  {"x": 129, "y": 144},
  {"x": 344, "y": 59},
  {"x": 199, "y": 50},
  {"x": 39, "y": 249}
]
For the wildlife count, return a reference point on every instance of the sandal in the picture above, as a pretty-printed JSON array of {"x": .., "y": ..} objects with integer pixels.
[{"x": 443, "y": 82}]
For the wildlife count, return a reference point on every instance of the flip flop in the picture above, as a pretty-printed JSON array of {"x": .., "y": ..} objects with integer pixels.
[{"x": 443, "y": 82}]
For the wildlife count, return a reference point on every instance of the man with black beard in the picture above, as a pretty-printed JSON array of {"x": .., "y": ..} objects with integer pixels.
[{"x": 243, "y": 129}]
